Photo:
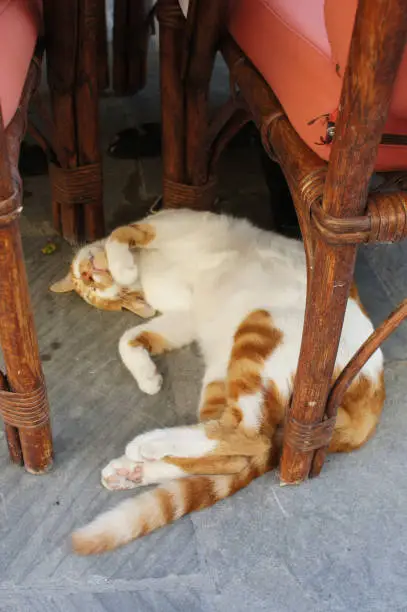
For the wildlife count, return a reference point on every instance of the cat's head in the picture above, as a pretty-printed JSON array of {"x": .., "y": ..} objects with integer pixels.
[{"x": 90, "y": 277}]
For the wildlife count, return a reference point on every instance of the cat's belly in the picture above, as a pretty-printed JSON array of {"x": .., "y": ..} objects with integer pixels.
[
  {"x": 216, "y": 331},
  {"x": 168, "y": 296},
  {"x": 164, "y": 288}
]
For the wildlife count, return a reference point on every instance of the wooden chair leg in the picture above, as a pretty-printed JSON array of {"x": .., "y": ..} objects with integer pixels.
[
  {"x": 131, "y": 33},
  {"x": 71, "y": 30},
  {"x": 12, "y": 435},
  {"x": 102, "y": 47},
  {"x": 332, "y": 270},
  {"x": 172, "y": 25},
  {"x": 187, "y": 52},
  {"x": 364, "y": 105},
  {"x": 23, "y": 399},
  {"x": 25, "y": 405},
  {"x": 207, "y": 27},
  {"x": 284, "y": 216}
]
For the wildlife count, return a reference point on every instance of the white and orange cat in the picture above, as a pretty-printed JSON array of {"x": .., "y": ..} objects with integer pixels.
[{"x": 239, "y": 292}]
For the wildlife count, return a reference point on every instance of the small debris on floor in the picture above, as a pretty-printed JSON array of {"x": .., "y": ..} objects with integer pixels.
[{"x": 49, "y": 248}]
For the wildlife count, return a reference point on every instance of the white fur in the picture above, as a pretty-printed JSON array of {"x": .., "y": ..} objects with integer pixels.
[
  {"x": 251, "y": 407},
  {"x": 217, "y": 371},
  {"x": 178, "y": 496},
  {"x": 121, "y": 263},
  {"x": 125, "y": 522},
  {"x": 206, "y": 273},
  {"x": 109, "y": 292},
  {"x": 174, "y": 441},
  {"x": 153, "y": 472},
  {"x": 139, "y": 363},
  {"x": 221, "y": 485},
  {"x": 218, "y": 269},
  {"x": 176, "y": 328},
  {"x": 119, "y": 522}
]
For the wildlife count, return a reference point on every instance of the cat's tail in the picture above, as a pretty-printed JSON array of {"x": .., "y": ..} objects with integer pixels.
[{"x": 147, "y": 512}]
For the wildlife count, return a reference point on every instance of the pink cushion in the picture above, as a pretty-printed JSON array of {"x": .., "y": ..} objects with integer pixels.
[
  {"x": 339, "y": 20},
  {"x": 20, "y": 22},
  {"x": 289, "y": 42}
]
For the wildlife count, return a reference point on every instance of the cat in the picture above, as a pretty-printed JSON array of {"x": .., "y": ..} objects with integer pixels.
[{"x": 239, "y": 292}]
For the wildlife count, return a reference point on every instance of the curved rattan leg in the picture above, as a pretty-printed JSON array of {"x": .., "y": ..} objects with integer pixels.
[{"x": 25, "y": 407}]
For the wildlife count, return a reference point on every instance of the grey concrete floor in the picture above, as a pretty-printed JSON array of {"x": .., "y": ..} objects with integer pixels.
[{"x": 338, "y": 543}]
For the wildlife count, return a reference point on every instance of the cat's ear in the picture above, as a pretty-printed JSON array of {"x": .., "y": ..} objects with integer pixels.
[
  {"x": 64, "y": 285},
  {"x": 136, "y": 303}
]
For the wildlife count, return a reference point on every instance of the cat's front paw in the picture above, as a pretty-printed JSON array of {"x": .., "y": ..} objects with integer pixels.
[
  {"x": 151, "y": 383},
  {"x": 139, "y": 363},
  {"x": 121, "y": 263}
]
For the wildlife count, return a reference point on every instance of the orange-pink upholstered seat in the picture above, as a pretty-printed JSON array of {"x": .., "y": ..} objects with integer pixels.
[
  {"x": 301, "y": 48},
  {"x": 20, "y": 22}
]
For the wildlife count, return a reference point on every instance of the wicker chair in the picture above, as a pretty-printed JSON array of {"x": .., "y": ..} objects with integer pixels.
[
  {"x": 71, "y": 142},
  {"x": 349, "y": 75},
  {"x": 74, "y": 35}
]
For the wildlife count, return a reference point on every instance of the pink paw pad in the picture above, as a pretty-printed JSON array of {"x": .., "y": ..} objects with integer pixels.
[{"x": 120, "y": 478}]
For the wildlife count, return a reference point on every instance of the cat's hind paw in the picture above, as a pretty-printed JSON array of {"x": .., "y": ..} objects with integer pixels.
[{"x": 122, "y": 474}]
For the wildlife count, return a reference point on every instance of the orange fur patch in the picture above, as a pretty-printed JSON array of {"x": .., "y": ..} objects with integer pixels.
[
  {"x": 354, "y": 295},
  {"x": 210, "y": 464},
  {"x": 166, "y": 502},
  {"x": 243, "y": 479},
  {"x": 143, "y": 527},
  {"x": 254, "y": 341},
  {"x": 135, "y": 235},
  {"x": 84, "y": 545},
  {"x": 198, "y": 493},
  {"x": 134, "y": 301},
  {"x": 85, "y": 270},
  {"x": 274, "y": 409},
  {"x": 87, "y": 292},
  {"x": 214, "y": 401},
  {"x": 235, "y": 441},
  {"x": 100, "y": 261},
  {"x": 358, "y": 415},
  {"x": 125, "y": 294},
  {"x": 154, "y": 343}
]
